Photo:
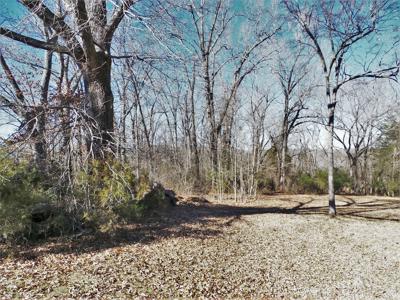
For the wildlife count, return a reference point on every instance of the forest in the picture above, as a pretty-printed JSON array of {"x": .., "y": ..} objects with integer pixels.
[{"x": 126, "y": 123}]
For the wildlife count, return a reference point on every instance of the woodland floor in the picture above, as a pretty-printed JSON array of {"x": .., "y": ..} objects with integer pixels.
[{"x": 276, "y": 247}]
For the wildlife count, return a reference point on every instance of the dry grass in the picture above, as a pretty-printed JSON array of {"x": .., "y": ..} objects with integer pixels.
[{"x": 277, "y": 246}]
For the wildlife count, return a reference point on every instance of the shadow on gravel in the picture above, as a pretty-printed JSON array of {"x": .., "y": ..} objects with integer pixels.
[
  {"x": 375, "y": 210},
  {"x": 201, "y": 219}
]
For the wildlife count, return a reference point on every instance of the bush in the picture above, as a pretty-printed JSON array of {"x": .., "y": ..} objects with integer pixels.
[
  {"x": 32, "y": 206},
  {"x": 318, "y": 183},
  {"x": 154, "y": 200},
  {"x": 265, "y": 185},
  {"x": 342, "y": 180},
  {"x": 305, "y": 183},
  {"x": 116, "y": 196},
  {"x": 105, "y": 184},
  {"x": 108, "y": 192},
  {"x": 22, "y": 191},
  {"x": 393, "y": 188},
  {"x": 386, "y": 186}
]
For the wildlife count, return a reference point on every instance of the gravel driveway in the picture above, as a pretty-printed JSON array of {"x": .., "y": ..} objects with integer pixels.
[{"x": 276, "y": 247}]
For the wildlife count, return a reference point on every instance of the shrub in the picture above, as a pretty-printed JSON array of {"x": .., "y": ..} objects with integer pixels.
[
  {"x": 108, "y": 192},
  {"x": 105, "y": 184},
  {"x": 22, "y": 190},
  {"x": 393, "y": 188},
  {"x": 115, "y": 195},
  {"x": 341, "y": 180},
  {"x": 154, "y": 200},
  {"x": 321, "y": 181},
  {"x": 318, "y": 183},
  {"x": 305, "y": 183},
  {"x": 265, "y": 185}
]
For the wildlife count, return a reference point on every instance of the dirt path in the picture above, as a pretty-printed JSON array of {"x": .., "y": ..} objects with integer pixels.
[{"x": 277, "y": 247}]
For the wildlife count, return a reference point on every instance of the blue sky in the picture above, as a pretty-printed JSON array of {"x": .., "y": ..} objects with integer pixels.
[{"x": 11, "y": 13}]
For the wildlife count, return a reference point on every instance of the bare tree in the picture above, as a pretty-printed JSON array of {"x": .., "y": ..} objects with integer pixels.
[
  {"x": 343, "y": 25},
  {"x": 291, "y": 70},
  {"x": 212, "y": 22},
  {"x": 190, "y": 124},
  {"x": 259, "y": 104},
  {"x": 358, "y": 126},
  {"x": 33, "y": 114},
  {"x": 88, "y": 41}
]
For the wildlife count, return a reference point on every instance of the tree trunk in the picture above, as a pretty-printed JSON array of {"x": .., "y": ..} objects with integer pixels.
[
  {"x": 101, "y": 103},
  {"x": 331, "y": 165},
  {"x": 354, "y": 175},
  {"x": 122, "y": 141},
  {"x": 193, "y": 136},
  {"x": 255, "y": 160},
  {"x": 284, "y": 144},
  {"x": 282, "y": 180},
  {"x": 284, "y": 138},
  {"x": 40, "y": 143},
  {"x": 214, "y": 150},
  {"x": 214, "y": 131},
  {"x": 226, "y": 141}
]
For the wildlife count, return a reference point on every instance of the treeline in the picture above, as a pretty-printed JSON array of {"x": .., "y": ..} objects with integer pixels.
[{"x": 99, "y": 100}]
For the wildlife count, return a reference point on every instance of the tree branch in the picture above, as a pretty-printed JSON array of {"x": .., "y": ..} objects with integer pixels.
[
  {"x": 84, "y": 28},
  {"x": 388, "y": 73},
  {"x": 116, "y": 19},
  {"x": 57, "y": 23},
  {"x": 33, "y": 42}
]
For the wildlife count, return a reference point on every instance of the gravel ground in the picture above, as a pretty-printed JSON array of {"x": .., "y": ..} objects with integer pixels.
[{"x": 276, "y": 247}]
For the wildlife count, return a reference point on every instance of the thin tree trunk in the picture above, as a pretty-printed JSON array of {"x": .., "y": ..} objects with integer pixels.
[
  {"x": 285, "y": 132},
  {"x": 214, "y": 131},
  {"x": 193, "y": 136},
  {"x": 226, "y": 140},
  {"x": 282, "y": 179},
  {"x": 355, "y": 175},
  {"x": 40, "y": 143},
  {"x": 122, "y": 143},
  {"x": 331, "y": 162},
  {"x": 214, "y": 150}
]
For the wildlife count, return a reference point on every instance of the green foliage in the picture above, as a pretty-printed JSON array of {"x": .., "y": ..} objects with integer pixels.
[
  {"x": 265, "y": 185},
  {"x": 143, "y": 185},
  {"x": 100, "y": 219},
  {"x": 393, "y": 187},
  {"x": 386, "y": 175},
  {"x": 318, "y": 183},
  {"x": 341, "y": 180},
  {"x": 105, "y": 194},
  {"x": 106, "y": 184},
  {"x": 58, "y": 223},
  {"x": 112, "y": 191},
  {"x": 21, "y": 189},
  {"x": 305, "y": 183},
  {"x": 115, "y": 195},
  {"x": 154, "y": 200}
]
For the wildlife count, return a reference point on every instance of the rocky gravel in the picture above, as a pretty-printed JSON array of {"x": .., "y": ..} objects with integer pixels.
[{"x": 275, "y": 247}]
